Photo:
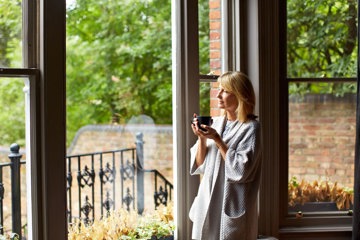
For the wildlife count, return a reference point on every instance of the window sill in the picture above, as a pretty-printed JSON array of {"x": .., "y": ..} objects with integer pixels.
[{"x": 316, "y": 232}]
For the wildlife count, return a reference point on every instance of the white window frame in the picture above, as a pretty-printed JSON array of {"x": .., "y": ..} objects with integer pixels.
[
  {"x": 185, "y": 92},
  {"x": 185, "y": 51}
]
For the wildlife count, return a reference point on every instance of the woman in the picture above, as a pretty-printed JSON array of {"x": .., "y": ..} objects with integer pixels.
[{"x": 228, "y": 156}]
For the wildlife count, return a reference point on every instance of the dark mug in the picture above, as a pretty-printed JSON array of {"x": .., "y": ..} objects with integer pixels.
[{"x": 206, "y": 120}]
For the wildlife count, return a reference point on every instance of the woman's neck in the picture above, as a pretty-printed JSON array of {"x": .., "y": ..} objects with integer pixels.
[{"x": 231, "y": 116}]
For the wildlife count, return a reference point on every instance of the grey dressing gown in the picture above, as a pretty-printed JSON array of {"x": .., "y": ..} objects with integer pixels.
[{"x": 226, "y": 203}]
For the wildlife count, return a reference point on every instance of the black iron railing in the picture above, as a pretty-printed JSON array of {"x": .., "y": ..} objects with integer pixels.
[
  {"x": 14, "y": 165},
  {"x": 105, "y": 181}
]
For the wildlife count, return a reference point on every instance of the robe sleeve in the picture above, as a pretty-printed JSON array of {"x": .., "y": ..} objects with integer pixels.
[
  {"x": 243, "y": 157},
  {"x": 194, "y": 169}
]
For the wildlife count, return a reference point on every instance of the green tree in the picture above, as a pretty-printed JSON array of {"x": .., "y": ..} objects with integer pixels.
[
  {"x": 204, "y": 55},
  {"x": 12, "y": 114},
  {"x": 118, "y": 61},
  {"x": 321, "y": 42},
  {"x": 10, "y": 33}
]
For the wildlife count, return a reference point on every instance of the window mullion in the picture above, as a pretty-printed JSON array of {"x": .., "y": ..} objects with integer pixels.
[{"x": 30, "y": 42}]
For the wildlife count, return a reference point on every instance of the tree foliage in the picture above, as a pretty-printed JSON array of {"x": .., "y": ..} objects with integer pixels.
[
  {"x": 118, "y": 61},
  {"x": 321, "y": 42},
  {"x": 12, "y": 114},
  {"x": 10, "y": 33}
]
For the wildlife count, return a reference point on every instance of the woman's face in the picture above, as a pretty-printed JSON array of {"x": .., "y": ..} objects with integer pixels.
[{"x": 227, "y": 100}]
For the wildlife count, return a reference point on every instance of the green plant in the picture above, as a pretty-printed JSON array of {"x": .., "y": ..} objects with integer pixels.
[
  {"x": 319, "y": 191},
  {"x": 121, "y": 224},
  {"x": 11, "y": 236}
]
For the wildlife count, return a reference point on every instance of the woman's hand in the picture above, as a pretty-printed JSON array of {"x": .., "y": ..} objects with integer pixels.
[{"x": 208, "y": 131}]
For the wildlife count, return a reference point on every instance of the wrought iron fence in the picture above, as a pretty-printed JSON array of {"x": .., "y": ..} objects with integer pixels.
[{"x": 98, "y": 188}]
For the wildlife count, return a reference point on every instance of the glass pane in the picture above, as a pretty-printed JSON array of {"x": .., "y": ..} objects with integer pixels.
[
  {"x": 209, "y": 53},
  {"x": 11, "y": 34},
  {"x": 210, "y": 37},
  {"x": 321, "y": 38},
  {"x": 205, "y": 98},
  {"x": 119, "y": 99},
  {"x": 12, "y": 138},
  {"x": 321, "y": 150},
  {"x": 204, "y": 36}
]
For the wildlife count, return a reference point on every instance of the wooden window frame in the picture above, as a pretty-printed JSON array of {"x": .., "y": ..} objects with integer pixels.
[
  {"x": 44, "y": 66},
  {"x": 334, "y": 224}
]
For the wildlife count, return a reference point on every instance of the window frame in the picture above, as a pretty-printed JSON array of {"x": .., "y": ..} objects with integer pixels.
[
  {"x": 185, "y": 72},
  {"x": 44, "y": 65},
  {"x": 329, "y": 224},
  {"x": 186, "y": 80},
  {"x": 264, "y": 21}
]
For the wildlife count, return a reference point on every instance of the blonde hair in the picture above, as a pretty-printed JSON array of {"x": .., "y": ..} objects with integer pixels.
[{"x": 240, "y": 85}]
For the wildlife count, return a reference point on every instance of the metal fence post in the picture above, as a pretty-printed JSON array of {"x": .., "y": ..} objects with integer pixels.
[
  {"x": 140, "y": 172},
  {"x": 15, "y": 157}
]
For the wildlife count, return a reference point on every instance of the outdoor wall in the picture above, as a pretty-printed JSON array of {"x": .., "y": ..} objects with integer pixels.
[
  {"x": 158, "y": 143},
  {"x": 322, "y": 138},
  {"x": 313, "y": 154}
]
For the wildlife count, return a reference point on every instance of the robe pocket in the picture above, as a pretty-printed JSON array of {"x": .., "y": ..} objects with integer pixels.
[
  {"x": 233, "y": 227},
  {"x": 234, "y": 205}
]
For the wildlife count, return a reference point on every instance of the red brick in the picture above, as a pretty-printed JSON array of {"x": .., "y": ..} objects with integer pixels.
[
  {"x": 213, "y": 92},
  {"x": 215, "y": 15},
  {"x": 215, "y": 54},
  {"x": 214, "y": 4},
  {"x": 215, "y": 25},
  {"x": 215, "y": 35},
  {"x": 215, "y": 45}
]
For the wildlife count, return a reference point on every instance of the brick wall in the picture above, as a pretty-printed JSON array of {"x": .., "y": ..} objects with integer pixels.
[
  {"x": 158, "y": 150},
  {"x": 215, "y": 36},
  {"x": 322, "y": 138},
  {"x": 215, "y": 50},
  {"x": 158, "y": 143}
]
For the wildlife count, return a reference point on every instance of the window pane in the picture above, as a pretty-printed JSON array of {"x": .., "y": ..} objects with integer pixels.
[
  {"x": 321, "y": 38},
  {"x": 11, "y": 34},
  {"x": 12, "y": 114},
  {"x": 204, "y": 37},
  {"x": 119, "y": 84},
  {"x": 321, "y": 150},
  {"x": 12, "y": 121},
  {"x": 209, "y": 54},
  {"x": 210, "y": 37},
  {"x": 205, "y": 98}
]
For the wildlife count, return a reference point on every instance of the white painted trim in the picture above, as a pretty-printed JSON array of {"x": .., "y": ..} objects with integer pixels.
[
  {"x": 185, "y": 103},
  {"x": 29, "y": 203},
  {"x": 224, "y": 36}
]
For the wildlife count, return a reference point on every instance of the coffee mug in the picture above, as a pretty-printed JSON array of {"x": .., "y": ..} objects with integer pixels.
[{"x": 205, "y": 120}]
